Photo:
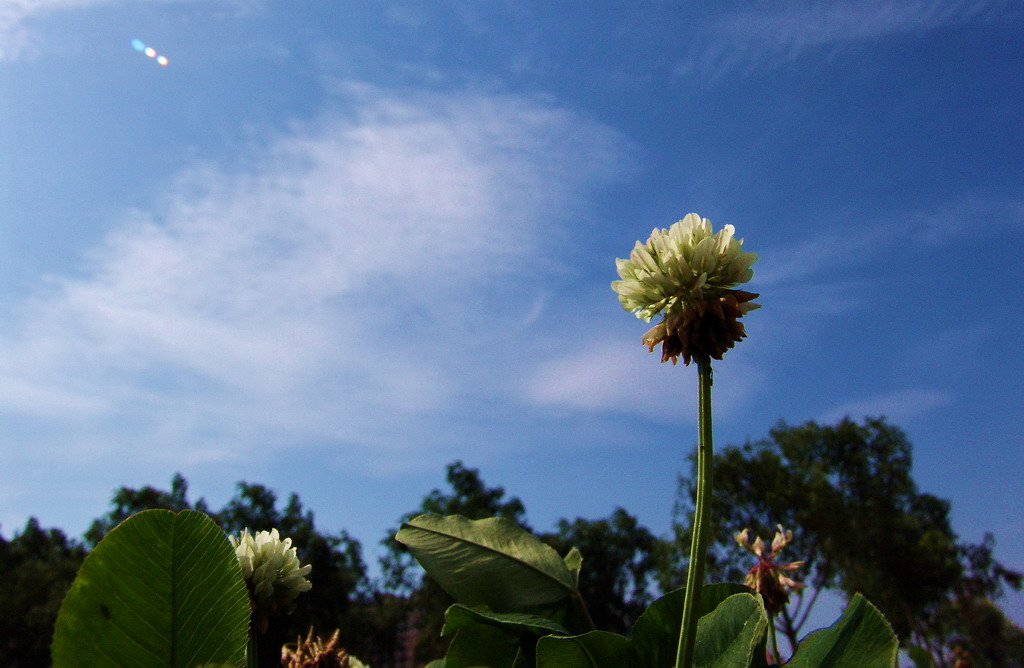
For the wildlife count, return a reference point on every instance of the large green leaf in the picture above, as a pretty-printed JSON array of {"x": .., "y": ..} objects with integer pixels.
[
  {"x": 656, "y": 633},
  {"x": 596, "y": 649},
  {"x": 482, "y": 645},
  {"x": 728, "y": 636},
  {"x": 861, "y": 638},
  {"x": 458, "y": 616},
  {"x": 492, "y": 562},
  {"x": 161, "y": 589}
]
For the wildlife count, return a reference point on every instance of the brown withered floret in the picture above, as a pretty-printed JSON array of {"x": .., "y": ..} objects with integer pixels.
[
  {"x": 704, "y": 328},
  {"x": 314, "y": 652}
]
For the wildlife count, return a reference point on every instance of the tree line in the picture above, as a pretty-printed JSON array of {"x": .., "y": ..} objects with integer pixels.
[{"x": 846, "y": 490}]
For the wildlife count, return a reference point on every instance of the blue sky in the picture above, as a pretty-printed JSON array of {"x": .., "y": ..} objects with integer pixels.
[{"x": 333, "y": 246}]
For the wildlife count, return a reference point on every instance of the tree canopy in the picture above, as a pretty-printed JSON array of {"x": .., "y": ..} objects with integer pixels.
[
  {"x": 38, "y": 566},
  {"x": 861, "y": 525}
]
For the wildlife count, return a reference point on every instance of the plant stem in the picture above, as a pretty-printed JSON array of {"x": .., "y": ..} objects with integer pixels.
[
  {"x": 251, "y": 658},
  {"x": 774, "y": 640},
  {"x": 581, "y": 606},
  {"x": 701, "y": 519}
]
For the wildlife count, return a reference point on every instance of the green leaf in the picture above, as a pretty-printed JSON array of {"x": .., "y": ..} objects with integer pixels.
[
  {"x": 728, "y": 636},
  {"x": 656, "y": 633},
  {"x": 596, "y": 649},
  {"x": 482, "y": 645},
  {"x": 861, "y": 638},
  {"x": 458, "y": 616},
  {"x": 920, "y": 656},
  {"x": 161, "y": 589},
  {"x": 574, "y": 561},
  {"x": 492, "y": 562}
]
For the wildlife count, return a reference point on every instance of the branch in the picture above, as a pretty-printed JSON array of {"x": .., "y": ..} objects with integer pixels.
[
  {"x": 810, "y": 604},
  {"x": 790, "y": 631}
]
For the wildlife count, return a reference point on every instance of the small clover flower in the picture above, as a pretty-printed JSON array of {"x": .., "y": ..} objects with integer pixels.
[
  {"x": 688, "y": 275},
  {"x": 271, "y": 569},
  {"x": 767, "y": 577}
]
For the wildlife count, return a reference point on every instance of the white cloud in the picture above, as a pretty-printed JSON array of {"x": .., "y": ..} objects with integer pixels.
[
  {"x": 614, "y": 374},
  {"x": 332, "y": 289},
  {"x": 18, "y": 39},
  {"x": 752, "y": 40},
  {"x": 899, "y": 406}
]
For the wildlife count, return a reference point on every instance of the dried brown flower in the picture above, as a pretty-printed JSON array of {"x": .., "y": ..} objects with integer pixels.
[
  {"x": 704, "y": 328},
  {"x": 313, "y": 652}
]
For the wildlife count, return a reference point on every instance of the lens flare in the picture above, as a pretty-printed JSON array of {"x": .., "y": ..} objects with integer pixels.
[{"x": 140, "y": 46}]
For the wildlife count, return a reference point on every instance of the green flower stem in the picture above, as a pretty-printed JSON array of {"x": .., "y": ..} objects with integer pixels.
[
  {"x": 251, "y": 657},
  {"x": 581, "y": 607},
  {"x": 701, "y": 518},
  {"x": 774, "y": 640}
]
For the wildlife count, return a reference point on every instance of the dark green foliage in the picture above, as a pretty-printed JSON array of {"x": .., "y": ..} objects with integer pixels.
[
  {"x": 987, "y": 636},
  {"x": 861, "y": 525},
  {"x": 590, "y": 650},
  {"x": 656, "y": 632},
  {"x": 127, "y": 501},
  {"x": 861, "y": 637},
  {"x": 38, "y": 566},
  {"x": 968, "y": 622},
  {"x": 339, "y": 597},
  {"x": 469, "y": 497},
  {"x": 618, "y": 558},
  {"x": 517, "y": 599},
  {"x": 338, "y": 575},
  {"x": 619, "y": 564}
]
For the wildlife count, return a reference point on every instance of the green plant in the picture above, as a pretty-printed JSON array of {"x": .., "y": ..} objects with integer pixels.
[
  {"x": 518, "y": 605},
  {"x": 518, "y": 602},
  {"x": 161, "y": 589}
]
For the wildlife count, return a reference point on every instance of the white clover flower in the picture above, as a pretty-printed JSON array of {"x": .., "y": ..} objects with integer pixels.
[
  {"x": 271, "y": 567},
  {"x": 689, "y": 275}
]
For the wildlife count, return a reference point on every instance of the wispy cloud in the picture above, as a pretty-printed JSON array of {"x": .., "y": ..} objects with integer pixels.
[
  {"x": 612, "y": 376},
  {"x": 900, "y": 406},
  {"x": 742, "y": 42},
  {"x": 852, "y": 239},
  {"x": 18, "y": 39},
  {"x": 338, "y": 287}
]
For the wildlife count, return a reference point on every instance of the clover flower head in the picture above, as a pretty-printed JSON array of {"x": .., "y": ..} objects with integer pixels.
[
  {"x": 767, "y": 577},
  {"x": 271, "y": 568},
  {"x": 688, "y": 275}
]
